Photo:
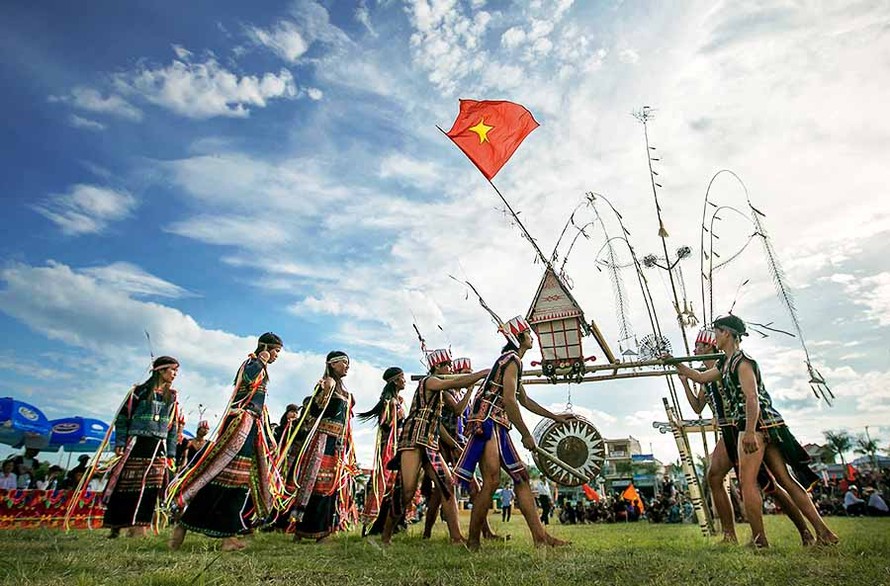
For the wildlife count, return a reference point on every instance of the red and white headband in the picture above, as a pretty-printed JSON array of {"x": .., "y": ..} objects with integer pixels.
[
  {"x": 513, "y": 328},
  {"x": 437, "y": 357}
]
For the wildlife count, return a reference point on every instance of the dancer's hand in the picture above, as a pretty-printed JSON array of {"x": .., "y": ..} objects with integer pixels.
[
  {"x": 118, "y": 451},
  {"x": 564, "y": 417},
  {"x": 750, "y": 444},
  {"x": 264, "y": 356},
  {"x": 528, "y": 442}
]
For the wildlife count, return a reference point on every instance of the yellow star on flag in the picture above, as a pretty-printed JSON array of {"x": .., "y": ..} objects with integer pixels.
[{"x": 482, "y": 130}]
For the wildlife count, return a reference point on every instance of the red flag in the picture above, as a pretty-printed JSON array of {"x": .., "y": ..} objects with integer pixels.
[
  {"x": 630, "y": 494},
  {"x": 489, "y": 132},
  {"x": 851, "y": 473},
  {"x": 590, "y": 493}
]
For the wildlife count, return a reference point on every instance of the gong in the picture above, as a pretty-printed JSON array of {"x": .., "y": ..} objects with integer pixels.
[{"x": 576, "y": 442}]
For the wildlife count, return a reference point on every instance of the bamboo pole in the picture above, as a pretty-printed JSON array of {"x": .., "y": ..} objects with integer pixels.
[
  {"x": 605, "y": 377},
  {"x": 528, "y": 374}
]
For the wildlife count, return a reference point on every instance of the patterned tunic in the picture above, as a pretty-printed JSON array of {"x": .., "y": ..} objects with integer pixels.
[
  {"x": 422, "y": 423},
  {"x": 489, "y": 401},
  {"x": 769, "y": 416}
]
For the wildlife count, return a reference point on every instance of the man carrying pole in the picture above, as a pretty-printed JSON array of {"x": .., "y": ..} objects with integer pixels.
[{"x": 495, "y": 410}]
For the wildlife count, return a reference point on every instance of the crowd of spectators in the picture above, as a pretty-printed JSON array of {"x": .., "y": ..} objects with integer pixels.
[
  {"x": 863, "y": 495},
  {"x": 25, "y": 471}
]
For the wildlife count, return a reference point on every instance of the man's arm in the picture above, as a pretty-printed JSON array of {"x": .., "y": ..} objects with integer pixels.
[
  {"x": 465, "y": 380},
  {"x": 696, "y": 400},
  {"x": 511, "y": 405},
  {"x": 699, "y": 376},
  {"x": 538, "y": 409},
  {"x": 752, "y": 408},
  {"x": 462, "y": 405}
]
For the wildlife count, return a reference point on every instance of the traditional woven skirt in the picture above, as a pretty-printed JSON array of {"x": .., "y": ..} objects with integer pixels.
[
  {"x": 795, "y": 455},
  {"x": 320, "y": 509},
  {"x": 136, "y": 486},
  {"x": 224, "y": 494},
  {"x": 480, "y": 435}
]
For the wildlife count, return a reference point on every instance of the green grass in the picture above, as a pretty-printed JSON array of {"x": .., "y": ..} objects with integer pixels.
[{"x": 600, "y": 554}]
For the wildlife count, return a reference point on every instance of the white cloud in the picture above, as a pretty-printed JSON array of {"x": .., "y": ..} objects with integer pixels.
[
  {"x": 399, "y": 166},
  {"x": 363, "y": 15},
  {"x": 230, "y": 230},
  {"x": 872, "y": 292},
  {"x": 131, "y": 279},
  {"x": 87, "y": 209},
  {"x": 628, "y": 56},
  {"x": 85, "y": 123},
  {"x": 85, "y": 98},
  {"x": 314, "y": 93},
  {"x": 284, "y": 39},
  {"x": 205, "y": 89},
  {"x": 513, "y": 37}
]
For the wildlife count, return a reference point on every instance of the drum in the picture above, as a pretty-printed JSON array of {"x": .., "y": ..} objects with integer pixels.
[{"x": 577, "y": 443}]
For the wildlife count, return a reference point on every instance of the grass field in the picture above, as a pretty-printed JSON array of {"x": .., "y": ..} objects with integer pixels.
[{"x": 621, "y": 554}]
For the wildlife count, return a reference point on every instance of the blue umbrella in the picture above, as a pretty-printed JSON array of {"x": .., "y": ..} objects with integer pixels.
[
  {"x": 187, "y": 434},
  {"x": 22, "y": 424},
  {"x": 78, "y": 434}
]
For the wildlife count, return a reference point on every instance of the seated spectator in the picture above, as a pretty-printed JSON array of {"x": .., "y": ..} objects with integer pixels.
[
  {"x": 70, "y": 481},
  {"x": 24, "y": 480},
  {"x": 877, "y": 506},
  {"x": 853, "y": 505},
  {"x": 674, "y": 515},
  {"x": 27, "y": 464},
  {"x": 8, "y": 480},
  {"x": 53, "y": 479}
]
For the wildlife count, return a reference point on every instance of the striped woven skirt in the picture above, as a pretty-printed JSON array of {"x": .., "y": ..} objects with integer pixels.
[
  {"x": 137, "y": 484},
  {"x": 324, "y": 504},
  {"x": 227, "y": 490}
]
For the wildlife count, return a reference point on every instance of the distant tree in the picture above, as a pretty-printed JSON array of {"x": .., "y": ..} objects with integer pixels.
[
  {"x": 839, "y": 441},
  {"x": 624, "y": 467},
  {"x": 826, "y": 454},
  {"x": 867, "y": 447},
  {"x": 644, "y": 467},
  {"x": 674, "y": 469}
]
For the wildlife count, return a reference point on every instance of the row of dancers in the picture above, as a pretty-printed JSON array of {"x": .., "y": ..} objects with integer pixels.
[{"x": 302, "y": 476}]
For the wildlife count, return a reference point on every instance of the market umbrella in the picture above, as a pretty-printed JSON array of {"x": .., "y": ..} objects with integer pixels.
[
  {"x": 78, "y": 434},
  {"x": 22, "y": 424}
]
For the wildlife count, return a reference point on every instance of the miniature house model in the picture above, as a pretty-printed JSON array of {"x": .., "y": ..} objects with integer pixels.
[{"x": 559, "y": 323}]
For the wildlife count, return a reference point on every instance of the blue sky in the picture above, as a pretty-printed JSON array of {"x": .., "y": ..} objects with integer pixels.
[{"x": 211, "y": 171}]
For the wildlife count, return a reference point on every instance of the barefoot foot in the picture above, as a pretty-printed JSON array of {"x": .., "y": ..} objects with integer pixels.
[
  {"x": 176, "y": 539},
  {"x": 828, "y": 538},
  {"x": 232, "y": 544}
]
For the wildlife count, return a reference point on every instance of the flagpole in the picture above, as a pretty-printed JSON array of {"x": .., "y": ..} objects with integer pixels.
[{"x": 513, "y": 213}]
